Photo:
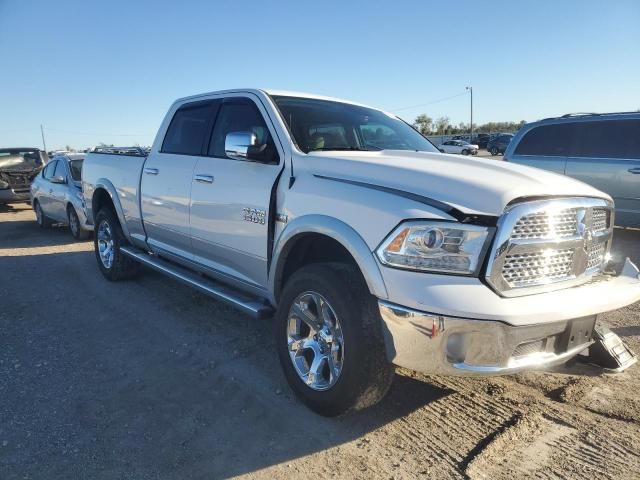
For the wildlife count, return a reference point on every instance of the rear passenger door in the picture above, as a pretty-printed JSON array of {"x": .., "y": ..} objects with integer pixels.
[
  {"x": 167, "y": 176},
  {"x": 230, "y": 198},
  {"x": 546, "y": 147},
  {"x": 608, "y": 157}
]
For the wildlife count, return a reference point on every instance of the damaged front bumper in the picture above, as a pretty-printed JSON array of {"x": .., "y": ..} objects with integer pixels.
[{"x": 440, "y": 344}]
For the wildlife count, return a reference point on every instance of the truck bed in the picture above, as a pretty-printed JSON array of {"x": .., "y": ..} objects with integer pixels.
[{"x": 120, "y": 175}]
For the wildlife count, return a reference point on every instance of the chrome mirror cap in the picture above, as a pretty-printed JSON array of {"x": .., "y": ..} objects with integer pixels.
[{"x": 237, "y": 145}]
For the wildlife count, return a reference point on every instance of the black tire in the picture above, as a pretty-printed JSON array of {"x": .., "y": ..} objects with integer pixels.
[
  {"x": 366, "y": 373},
  {"x": 465, "y": 152},
  {"x": 494, "y": 151},
  {"x": 41, "y": 219},
  {"x": 121, "y": 267},
  {"x": 74, "y": 224}
]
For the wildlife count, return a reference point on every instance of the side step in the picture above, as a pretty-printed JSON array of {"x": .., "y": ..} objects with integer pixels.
[{"x": 239, "y": 300}]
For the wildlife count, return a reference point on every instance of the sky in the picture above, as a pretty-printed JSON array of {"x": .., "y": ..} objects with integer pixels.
[{"x": 107, "y": 71}]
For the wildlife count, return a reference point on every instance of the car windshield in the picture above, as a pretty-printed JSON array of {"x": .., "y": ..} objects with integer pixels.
[
  {"x": 318, "y": 125},
  {"x": 75, "y": 166}
]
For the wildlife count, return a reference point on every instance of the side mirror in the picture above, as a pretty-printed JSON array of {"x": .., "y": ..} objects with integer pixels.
[
  {"x": 239, "y": 145},
  {"x": 58, "y": 179}
]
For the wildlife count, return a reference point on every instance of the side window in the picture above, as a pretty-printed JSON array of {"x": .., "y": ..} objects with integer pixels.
[
  {"x": 548, "y": 140},
  {"x": 186, "y": 133},
  {"x": 47, "y": 173},
  {"x": 609, "y": 139},
  {"x": 241, "y": 115},
  {"x": 60, "y": 170}
]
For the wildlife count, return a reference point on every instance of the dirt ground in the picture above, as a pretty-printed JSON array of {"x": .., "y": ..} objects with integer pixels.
[{"x": 148, "y": 379}]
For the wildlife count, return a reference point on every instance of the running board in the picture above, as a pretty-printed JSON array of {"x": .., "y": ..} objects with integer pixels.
[{"x": 242, "y": 302}]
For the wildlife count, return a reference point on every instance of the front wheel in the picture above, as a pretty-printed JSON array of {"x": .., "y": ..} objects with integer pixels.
[
  {"x": 329, "y": 340},
  {"x": 494, "y": 151},
  {"x": 465, "y": 152},
  {"x": 107, "y": 241}
]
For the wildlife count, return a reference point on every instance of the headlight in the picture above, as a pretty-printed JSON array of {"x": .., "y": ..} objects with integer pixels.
[
  {"x": 435, "y": 246},
  {"x": 3, "y": 185}
]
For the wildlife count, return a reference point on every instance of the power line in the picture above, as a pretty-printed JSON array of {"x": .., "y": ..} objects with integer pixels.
[{"x": 430, "y": 103}]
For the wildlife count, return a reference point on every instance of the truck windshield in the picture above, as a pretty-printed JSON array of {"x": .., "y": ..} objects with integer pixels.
[{"x": 320, "y": 125}]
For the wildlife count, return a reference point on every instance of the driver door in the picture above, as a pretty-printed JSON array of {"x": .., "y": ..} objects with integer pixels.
[{"x": 230, "y": 198}]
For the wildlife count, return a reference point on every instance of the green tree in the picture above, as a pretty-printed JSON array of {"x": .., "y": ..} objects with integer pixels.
[
  {"x": 424, "y": 124},
  {"x": 442, "y": 125}
]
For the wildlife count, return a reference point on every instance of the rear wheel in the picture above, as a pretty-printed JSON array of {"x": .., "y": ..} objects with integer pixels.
[
  {"x": 107, "y": 241},
  {"x": 42, "y": 220},
  {"x": 329, "y": 340},
  {"x": 74, "y": 224}
]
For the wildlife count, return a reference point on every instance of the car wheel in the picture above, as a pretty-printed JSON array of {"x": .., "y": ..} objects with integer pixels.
[
  {"x": 494, "y": 151},
  {"x": 74, "y": 224},
  {"x": 42, "y": 220},
  {"x": 107, "y": 241},
  {"x": 328, "y": 335},
  {"x": 465, "y": 152}
]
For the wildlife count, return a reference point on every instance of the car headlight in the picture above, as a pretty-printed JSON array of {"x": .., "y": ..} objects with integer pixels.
[
  {"x": 3, "y": 185},
  {"x": 435, "y": 246}
]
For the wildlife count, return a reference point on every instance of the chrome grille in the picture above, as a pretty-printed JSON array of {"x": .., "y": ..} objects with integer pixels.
[
  {"x": 599, "y": 221},
  {"x": 529, "y": 268},
  {"x": 595, "y": 254},
  {"x": 549, "y": 244},
  {"x": 541, "y": 225}
]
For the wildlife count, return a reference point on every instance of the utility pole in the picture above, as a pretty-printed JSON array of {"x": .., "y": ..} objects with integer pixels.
[
  {"x": 471, "y": 123},
  {"x": 43, "y": 142}
]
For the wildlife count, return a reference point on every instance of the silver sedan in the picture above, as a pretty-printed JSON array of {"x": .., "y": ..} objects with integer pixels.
[{"x": 56, "y": 195}]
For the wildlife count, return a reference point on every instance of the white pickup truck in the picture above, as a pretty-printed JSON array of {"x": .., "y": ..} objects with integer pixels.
[{"x": 367, "y": 246}]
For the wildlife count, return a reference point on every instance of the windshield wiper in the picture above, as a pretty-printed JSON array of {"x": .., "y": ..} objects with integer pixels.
[{"x": 342, "y": 149}]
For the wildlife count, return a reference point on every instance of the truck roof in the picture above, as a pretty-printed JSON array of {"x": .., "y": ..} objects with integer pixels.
[{"x": 275, "y": 92}]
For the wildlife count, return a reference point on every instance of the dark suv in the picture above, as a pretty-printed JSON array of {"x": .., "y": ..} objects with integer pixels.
[
  {"x": 499, "y": 143},
  {"x": 602, "y": 150}
]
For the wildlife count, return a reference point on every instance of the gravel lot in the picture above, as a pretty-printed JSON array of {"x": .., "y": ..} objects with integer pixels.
[{"x": 149, "y": 379}]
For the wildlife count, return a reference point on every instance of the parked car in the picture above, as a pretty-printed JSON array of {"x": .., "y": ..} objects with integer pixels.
[
  {"x": 367, "y": 255},
  {"x": 481, "y": 139},
  {"x": 602, "y": 150},
  {"x": 18, "y": 168},
  {"x": 499, "y": 143},
  {"x": 56, "y": 195},
  {"x": 459, "y": 147}
]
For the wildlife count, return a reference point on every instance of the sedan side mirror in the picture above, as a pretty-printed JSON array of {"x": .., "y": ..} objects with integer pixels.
[
  {"x": 239, "y": 145},
  {"x": 58, "y": 179}
]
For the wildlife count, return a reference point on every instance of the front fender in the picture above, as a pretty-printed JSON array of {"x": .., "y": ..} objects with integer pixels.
[{"x": 339, "y": 231}]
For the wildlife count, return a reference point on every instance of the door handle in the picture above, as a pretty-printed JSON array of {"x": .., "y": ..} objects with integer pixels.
[
  {"x": 204, "y": 178},
  {"x": 151, "y": 171},
  {"x": 635, "y": 171}
]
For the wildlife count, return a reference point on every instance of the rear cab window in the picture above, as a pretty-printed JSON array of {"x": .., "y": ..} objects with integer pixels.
[{"x": 188, "y": 128}]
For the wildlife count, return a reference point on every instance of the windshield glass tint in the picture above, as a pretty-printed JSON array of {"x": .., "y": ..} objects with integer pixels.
[
  {"x": 75, "y": 166},
  {"x": 327, "y": 125}
]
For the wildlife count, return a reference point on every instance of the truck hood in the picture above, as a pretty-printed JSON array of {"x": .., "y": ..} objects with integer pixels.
[{"x": 471, "y": 185}]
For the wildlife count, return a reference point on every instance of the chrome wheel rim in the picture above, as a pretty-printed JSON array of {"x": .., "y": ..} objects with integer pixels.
[
  {"x": 74, "y": 223},
  {"x": 105, "y": 244},
  {"x": 315, "y": 341}
]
